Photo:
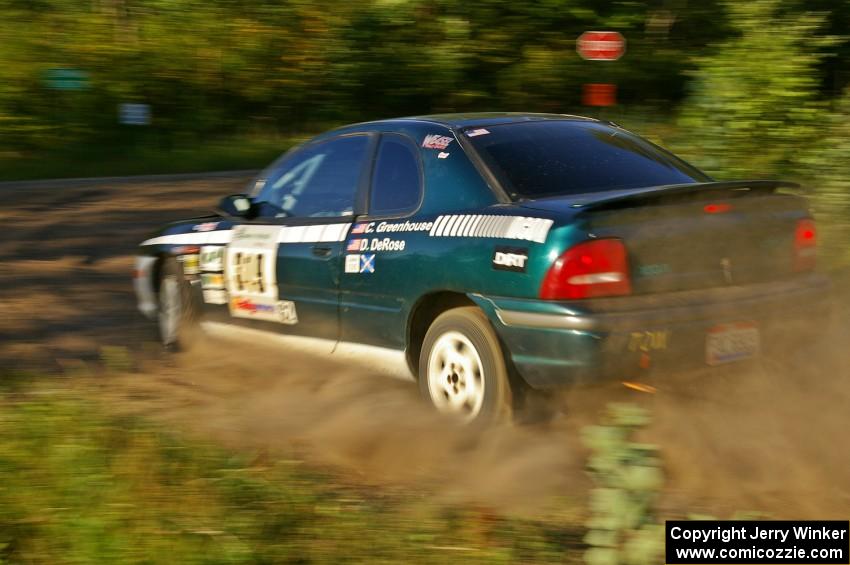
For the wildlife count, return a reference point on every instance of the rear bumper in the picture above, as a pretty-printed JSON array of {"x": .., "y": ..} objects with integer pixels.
[{"x": 559, "y": 343}]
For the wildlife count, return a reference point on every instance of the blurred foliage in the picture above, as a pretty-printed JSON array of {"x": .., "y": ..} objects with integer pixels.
[
  {"x": 212, "y": 67},
  {"x": 753, "y": 80},
  {"x": 825, "y": 167},
  {"x": 82, "y": 486},
  {"x": 755, "y": 101},
  {"x": 627, "y": 477}
]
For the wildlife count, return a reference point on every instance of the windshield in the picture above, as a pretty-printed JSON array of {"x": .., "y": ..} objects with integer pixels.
[{"x": 564, "y": 157}]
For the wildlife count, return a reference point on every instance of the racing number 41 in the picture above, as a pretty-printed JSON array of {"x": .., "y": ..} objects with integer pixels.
[{"x": 249, "y": 272}]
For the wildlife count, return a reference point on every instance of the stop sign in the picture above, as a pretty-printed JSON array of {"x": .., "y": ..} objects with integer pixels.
[{"x": 601, "y": 45}]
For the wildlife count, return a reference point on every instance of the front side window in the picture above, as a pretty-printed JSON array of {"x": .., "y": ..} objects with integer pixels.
[
  {"x": 540, "y": 159},
  {"x": 396, "y": 182},
  {"x": 318, "y": 181}
]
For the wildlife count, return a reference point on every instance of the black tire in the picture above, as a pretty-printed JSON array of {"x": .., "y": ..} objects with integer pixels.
[
  {"x": 178, "y": 323},
  {"x": 454, "y": 386}
]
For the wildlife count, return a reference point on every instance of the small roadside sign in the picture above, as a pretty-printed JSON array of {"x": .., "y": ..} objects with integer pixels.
[
  {"x": 66, "y": 79},
  {"x": 134, "y": 114},
  {"x": 601, "y": 45}
]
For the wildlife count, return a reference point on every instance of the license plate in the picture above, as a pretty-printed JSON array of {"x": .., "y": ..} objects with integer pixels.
[{"x": 731, "y": 342}]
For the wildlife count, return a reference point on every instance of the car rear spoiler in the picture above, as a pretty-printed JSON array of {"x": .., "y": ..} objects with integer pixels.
[{"x": 680, "y": 192}]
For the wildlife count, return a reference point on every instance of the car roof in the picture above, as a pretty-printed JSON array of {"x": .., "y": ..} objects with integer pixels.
[
  {"x": 454, "y": 121},
  {"x": 473, "y": 119}
]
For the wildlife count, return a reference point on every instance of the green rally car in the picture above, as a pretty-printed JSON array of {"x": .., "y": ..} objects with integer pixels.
[{"x": 489, "y": 254}]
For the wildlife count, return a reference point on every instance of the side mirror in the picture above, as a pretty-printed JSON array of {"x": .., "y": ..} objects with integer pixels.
[{"x": 235, "y": 206}]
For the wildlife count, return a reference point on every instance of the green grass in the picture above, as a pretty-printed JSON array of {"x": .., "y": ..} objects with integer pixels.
[
  {"x": 81, "y": 485},
  {"x": 237, "y": 153}
]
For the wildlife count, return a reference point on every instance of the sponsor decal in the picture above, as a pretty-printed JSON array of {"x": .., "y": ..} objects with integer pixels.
[
  {"x": 367, "y": 263},
  {"x": 386, "y": 244},
  {"x": 250, "y": 272},
  {"x": 281, "y": 311},
  {"x": 352, "y": 263},
  {"x": 376, "y": 244},
  {"x": 190, "y": 264},
  {"x": 215, "y": 296},
  {"x": 212, "y": 280},
  {"x": 212, "y": 258},
  {"x": 246, "y": 305},
  {"x": 186, "y": 250},
  {"x": 396, "y": 227},
  {"x": 255, "y": 235},
  {"x": 206, "y": 226},
  {"x": 491, "y": 226},
  {"x": 286, "y": 312},
  {"x": 477, "y": 132},
  {"x": 434, "y": 141},
  {"x": 442, "y": 155},
  {"x": 510, "y": 259}
]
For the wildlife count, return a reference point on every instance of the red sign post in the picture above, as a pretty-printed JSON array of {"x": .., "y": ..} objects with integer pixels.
[{"x": 601, "y": 45}]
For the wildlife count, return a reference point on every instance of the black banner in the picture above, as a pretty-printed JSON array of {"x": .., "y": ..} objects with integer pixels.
[{"x": 757, "y": 541}]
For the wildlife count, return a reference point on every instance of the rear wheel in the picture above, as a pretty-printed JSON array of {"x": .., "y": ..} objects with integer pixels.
[
  {"x": 177, "y": 313},
  {"x": 462, "y": 370}
]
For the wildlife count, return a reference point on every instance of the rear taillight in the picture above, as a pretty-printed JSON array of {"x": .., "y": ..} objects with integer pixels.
[
  {"x": 587, "y": 270},
  {"x": 805, "y": 245}
]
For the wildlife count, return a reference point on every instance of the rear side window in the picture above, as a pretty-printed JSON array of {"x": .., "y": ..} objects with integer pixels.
[{"x": 396, "y": 181}]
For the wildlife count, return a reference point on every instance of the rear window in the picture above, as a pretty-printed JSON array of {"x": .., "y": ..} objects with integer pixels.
[{"x": 564, "y": 157}]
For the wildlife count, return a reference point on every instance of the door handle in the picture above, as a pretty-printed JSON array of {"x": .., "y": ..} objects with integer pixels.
[{"x": 322, "y": 251}]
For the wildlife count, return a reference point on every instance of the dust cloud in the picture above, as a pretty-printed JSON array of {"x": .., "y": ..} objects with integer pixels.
[
  {"x": 766, "y": 437},
  {"x": 372, "y": 430}
]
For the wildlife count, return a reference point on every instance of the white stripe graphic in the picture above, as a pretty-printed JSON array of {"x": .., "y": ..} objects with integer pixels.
[
  {"x": 452, "y": 226},
  {"x": 462, "y": 225},
  {"x": 492, "y": 226},
  {"x": 436, "y": 226},
  {"x": 542, "y": 230},
  {"x": 288, "y": 234},
  {"x": 443, "y": 228},
  {"x": 335, "y": 232},
  {"x": 195, "y": 238},
  {"x": 472, "y": 222},
  {"x": 456, "y": 225},
  {"x": 485, "y": 226},
  {"x": 517, "y": 226},
  {"x": 504, "y": 222}
]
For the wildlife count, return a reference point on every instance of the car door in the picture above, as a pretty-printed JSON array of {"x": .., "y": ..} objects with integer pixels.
[
  {"x": 381, "y": 251},
  {"x": 282, "y": 268}
]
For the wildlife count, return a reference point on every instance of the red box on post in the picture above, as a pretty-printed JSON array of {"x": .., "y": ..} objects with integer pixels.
[{"x": 599, "y": 94}]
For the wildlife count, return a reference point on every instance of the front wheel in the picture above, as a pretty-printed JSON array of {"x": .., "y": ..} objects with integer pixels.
[
  {"x": 177, "y": 312},
  {"x": 462, "y": 370}
]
